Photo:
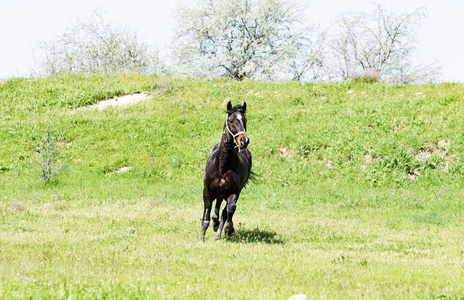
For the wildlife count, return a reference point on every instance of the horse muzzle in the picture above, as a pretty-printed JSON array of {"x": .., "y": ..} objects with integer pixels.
[{"x": 242, "y": 140}]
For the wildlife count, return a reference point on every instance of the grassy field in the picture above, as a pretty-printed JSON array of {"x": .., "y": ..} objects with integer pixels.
[{"x": 359, "y": 196}]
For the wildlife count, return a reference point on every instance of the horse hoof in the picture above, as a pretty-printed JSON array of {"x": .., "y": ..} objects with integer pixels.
[
  {"x": 217, "y": 238},
  {"x": 229, "y": 229},
  {"x": 202, "y": 238}
]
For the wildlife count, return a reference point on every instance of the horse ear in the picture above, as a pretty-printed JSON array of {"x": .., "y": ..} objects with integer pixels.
[
  {"x": 244, "y": 107},
  {"x": 229, "y": 106}
]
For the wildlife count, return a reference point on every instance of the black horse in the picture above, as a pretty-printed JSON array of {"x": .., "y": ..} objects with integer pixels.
[{"x": 227, "y": 171}]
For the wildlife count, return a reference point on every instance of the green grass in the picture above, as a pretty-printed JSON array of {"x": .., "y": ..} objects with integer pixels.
[{"x": 359, "y": 194}]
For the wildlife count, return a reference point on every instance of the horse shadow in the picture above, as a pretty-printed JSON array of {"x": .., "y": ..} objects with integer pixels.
[{"x": 256, "y": 235}]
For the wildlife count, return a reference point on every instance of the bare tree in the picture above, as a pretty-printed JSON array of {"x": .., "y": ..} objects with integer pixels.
[
  {"x": 96, "y": 46},
  {"x": 308, "y": 55},
  {"x": 379, "y": 42},
  {"x": 238, "y": 39}
]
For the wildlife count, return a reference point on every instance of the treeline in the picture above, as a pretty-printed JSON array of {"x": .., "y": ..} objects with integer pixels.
[{"x": 250, "y": 39}]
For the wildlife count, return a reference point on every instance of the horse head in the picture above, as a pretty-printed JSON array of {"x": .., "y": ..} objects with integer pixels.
[{"x": 235, "y": 125}]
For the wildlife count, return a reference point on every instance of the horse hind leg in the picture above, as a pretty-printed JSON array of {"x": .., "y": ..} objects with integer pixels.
[{"x": 216, "y": 214}]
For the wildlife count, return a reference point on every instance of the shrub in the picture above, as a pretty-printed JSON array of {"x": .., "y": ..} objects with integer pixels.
[
  {"x": 370, "y": 75},
  {"x": 48, "y": 157}
]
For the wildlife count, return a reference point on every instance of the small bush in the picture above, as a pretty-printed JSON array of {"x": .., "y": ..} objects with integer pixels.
[
  {"x": 48, "y": 157},
  {"x": 369, "y": 75}
]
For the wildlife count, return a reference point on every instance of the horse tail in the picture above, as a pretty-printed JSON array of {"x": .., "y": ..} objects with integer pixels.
[{"x": 254, "y": 176}]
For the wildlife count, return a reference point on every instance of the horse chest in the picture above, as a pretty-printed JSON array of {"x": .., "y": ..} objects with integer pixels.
[{"x": 224, "y": 184}]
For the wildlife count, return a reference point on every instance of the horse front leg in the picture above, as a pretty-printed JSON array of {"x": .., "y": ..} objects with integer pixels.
[
  {"x": 231, "y": 207},
  {"x": 221, "y": 224},
  {"x": 216, "y": 214},
  {"x": 206, "y": 213}
]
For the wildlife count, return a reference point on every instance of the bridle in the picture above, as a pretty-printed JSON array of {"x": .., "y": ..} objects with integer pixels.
[{"x": 234, "y": 136}]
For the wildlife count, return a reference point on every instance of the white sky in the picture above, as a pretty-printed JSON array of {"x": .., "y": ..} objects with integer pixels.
[{"x": 24, "y": 23}]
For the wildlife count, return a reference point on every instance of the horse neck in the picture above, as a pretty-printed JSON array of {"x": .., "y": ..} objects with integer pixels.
[{"x": 226, "y": 152}]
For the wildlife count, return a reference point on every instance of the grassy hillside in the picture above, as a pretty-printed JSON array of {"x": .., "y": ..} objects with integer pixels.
[{"x": 359, "y": 193}]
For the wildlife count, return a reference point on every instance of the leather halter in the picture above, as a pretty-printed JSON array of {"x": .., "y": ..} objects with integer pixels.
[{"x": 234, "y": 136}]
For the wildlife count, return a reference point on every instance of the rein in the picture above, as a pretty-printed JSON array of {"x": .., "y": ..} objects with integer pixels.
[{"x": 237, "y": 145}]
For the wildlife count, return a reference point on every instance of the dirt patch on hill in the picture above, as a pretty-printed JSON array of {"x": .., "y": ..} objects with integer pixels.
[
  {"x": 118, "y": 101},
  {"x": 429, "y": 150}
]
